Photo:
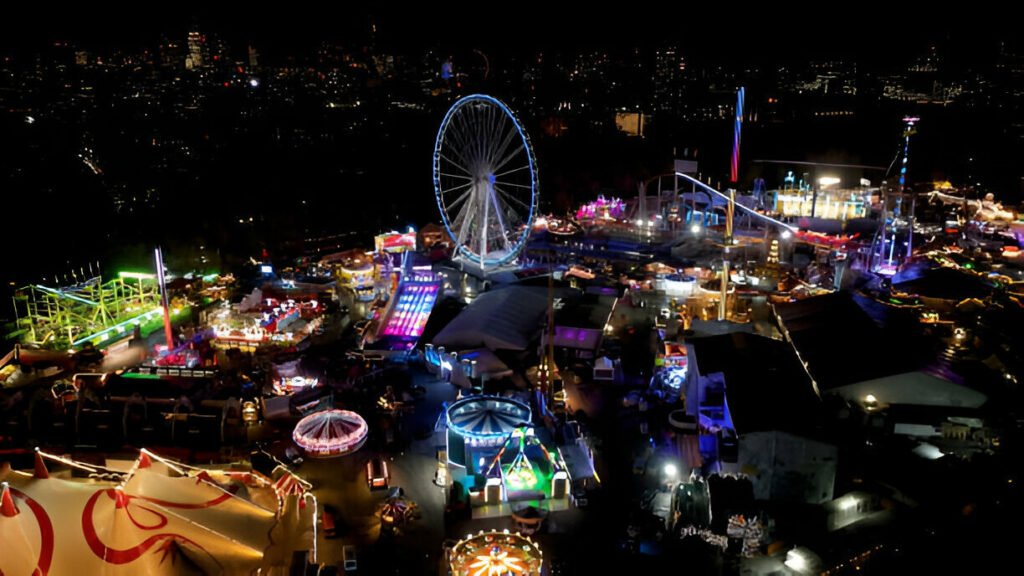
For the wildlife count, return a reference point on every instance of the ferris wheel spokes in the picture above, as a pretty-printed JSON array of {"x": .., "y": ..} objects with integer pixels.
[{"x": 485, "y": 180}]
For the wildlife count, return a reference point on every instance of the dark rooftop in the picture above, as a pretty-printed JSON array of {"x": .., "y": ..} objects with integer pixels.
[
  {"x": 585, "y": 311},
  {"x": 841, "y": 344},
  {"x": 766, "y": 387},
  {"x": 943, "y": 283}
]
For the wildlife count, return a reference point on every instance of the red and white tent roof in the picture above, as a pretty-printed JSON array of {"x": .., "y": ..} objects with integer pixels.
[{"x": 151, "y": 523}]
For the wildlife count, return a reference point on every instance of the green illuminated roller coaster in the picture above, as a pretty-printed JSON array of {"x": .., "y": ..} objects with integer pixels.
[{"x": 90, "y": 312}]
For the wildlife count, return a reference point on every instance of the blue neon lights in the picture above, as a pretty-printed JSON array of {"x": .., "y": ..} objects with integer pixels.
[
  {"x": 527, "y": 147},
  {"x": 486, "y": 419}
]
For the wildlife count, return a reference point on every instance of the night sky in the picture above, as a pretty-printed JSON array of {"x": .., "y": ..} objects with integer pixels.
[
  {"x": 574, "y": 168},
  {"x": 759, "y": 36}
]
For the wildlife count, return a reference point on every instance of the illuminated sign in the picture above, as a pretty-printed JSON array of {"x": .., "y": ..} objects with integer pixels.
[{"x": 394, "y": 243}]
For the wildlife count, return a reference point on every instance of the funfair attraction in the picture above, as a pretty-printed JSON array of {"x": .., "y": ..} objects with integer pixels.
[
  {"x": 524, "y": 469},
  {"x": 330, "y": 433},
  {"x": 410, "y": 312},
  {"x": 91, "y": 311},
  {"x": 602, "y": 209},
  {"x": 482, "y": 422},
  {"x": 405, "y": 316},
  {"x": 266, "y": 318},
  {"x": 496, "y": 554},
  {"x": 485, "y": 181},
  {"x": 492, "y": 446}
]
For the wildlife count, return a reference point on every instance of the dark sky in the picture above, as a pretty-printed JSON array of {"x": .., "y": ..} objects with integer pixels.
[{"x": 757, "y": 35}]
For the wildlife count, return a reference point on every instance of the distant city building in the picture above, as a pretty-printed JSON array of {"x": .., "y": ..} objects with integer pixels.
[
  {"x": 196, "y": 51},
  {"x": 171, "y": 55},
  {"x": 669, "y": 66},
  {"x": 632, "y": 123}
]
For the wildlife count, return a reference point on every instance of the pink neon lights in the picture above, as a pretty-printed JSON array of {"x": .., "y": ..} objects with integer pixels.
[
  {"x": 330, "y": 433},
  {"x": 411, "y": 311},
  {"x": 603, "y": 208}
]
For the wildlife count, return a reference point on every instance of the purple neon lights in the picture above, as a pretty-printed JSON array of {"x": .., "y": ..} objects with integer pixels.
[
  {"x": 411, "y": 311},
  {"x": 614, "y": 208}
]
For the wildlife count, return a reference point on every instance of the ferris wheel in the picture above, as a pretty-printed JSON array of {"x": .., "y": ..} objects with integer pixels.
[{"x": 485, "y": 180}]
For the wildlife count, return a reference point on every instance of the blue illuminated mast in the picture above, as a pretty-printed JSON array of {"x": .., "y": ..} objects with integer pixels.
[{"x": 885, "y": 260}]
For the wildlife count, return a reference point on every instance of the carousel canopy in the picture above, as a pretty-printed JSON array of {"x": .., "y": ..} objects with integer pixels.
[
  {"x": 497, "y": 554},
  {"x": 330, "y": 433},
  {"x": 486, "y": 417}
]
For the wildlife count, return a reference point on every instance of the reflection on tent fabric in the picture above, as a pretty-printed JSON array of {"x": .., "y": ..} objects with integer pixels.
[{"x": 162, "y": 518}]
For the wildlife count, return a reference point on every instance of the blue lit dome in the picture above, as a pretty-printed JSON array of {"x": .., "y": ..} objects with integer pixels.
[{"x": 487, "y": 419}]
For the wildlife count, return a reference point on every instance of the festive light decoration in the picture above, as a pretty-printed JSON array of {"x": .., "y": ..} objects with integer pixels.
[
  {"x": 749, "y": 530},
  {"x": 705, "y": 535},
  {"x": 252, "y": 333}
]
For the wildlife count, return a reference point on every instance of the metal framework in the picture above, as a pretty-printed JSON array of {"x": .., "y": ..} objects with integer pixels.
[
  {"x": 90, "y": 311},
  {"x": 485, "y": 180}
]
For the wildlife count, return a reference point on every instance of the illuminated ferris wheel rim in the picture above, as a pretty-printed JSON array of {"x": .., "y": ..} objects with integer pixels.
[{"x": 466, "y": 246}]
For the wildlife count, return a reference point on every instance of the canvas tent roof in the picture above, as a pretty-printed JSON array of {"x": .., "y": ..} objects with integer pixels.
[
  {"x": 210, "y": 522},
  {"x": 914, "y": 388},
  {"x": 502, "y": 319}
]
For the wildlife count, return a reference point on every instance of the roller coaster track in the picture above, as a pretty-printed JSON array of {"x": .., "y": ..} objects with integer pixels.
[{"x": 768, "y": 220}]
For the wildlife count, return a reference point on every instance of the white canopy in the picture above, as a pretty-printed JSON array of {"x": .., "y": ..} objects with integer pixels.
[{"x": 502, "y": 319}]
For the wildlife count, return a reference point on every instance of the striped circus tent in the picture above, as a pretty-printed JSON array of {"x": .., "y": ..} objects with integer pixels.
[{"x": 159, "y": 518}]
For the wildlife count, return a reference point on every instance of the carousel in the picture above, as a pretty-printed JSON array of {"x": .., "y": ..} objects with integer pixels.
[
  {"x": 486, "y": 420},
  {"x": 496, "y": 554},
  {"x": 330, "y": 433}
]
